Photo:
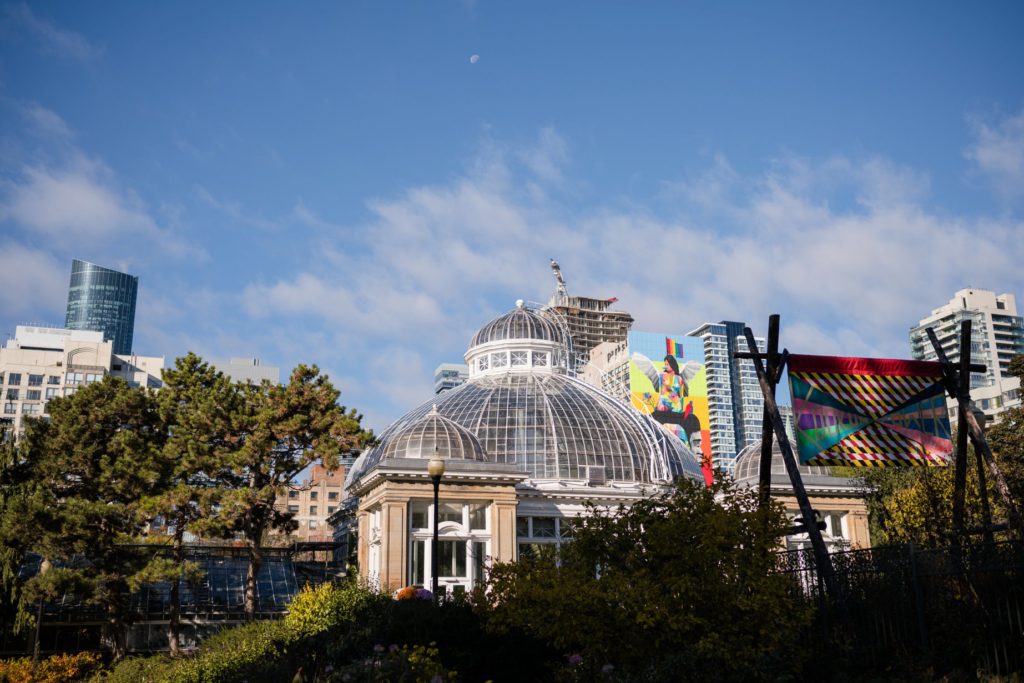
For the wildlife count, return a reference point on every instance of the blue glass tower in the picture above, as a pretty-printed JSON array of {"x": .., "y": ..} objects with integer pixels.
[{"x": 104, "y": 300}]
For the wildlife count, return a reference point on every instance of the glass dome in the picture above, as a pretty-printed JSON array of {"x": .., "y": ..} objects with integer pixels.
[
  {"x": 432, "y": 434},
  {"x": 553, "y": 427},
  {"x": 520, "y": 323},
  {"x": 748, "y": 466}
]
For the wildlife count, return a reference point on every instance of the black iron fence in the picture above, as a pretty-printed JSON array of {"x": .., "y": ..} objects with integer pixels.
[{"x": 940, "y": 610}]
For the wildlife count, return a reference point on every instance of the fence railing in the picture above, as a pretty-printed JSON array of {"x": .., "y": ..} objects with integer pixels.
[{"x": 955, "y": 608}]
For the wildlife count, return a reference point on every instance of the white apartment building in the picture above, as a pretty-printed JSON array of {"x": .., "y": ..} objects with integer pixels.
[
  {"x": 997, "y": 335},
  {"x": 608, "y": 369},
  {"x": 450, "y": 375},
  {"x": 735, "y": 403},
  {"x": 40, "y": 363},
  {"x": 242, "y": 370}
]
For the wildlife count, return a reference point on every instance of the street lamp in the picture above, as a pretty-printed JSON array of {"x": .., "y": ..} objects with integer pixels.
[
  {"x": 44, "y": 568},
  {"x": 435, "y": 468}
]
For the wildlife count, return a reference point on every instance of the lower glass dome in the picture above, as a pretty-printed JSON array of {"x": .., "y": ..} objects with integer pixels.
[{"x": 554, "y": 427}]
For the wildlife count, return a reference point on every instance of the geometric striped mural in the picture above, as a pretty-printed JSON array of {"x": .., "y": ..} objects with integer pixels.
[{"x": 869, "y": 412}]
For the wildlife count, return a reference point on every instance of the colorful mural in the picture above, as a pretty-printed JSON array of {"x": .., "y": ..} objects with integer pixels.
[
  {"x": 668, "y": 381},
  {"x": 869, "y": 412}
]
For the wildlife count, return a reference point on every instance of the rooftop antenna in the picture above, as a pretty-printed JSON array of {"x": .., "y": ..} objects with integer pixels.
[{"x": 561, "y": 293}]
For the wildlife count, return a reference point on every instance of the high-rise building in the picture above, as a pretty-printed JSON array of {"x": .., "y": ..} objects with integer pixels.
[
  {"x": 997, "y": 335},
  {"x": 608, "y": 369},
  {"x": 41, "y": 363},
  {"x": 450, "y": 375},
  {"x": 102, "y": 300},
  {"x": 735, "y": 403},
  {"x": 588, "y": 321},
  {"x": 242, "y": 370}
]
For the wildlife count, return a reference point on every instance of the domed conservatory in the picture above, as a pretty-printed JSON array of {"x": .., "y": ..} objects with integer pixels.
[{"x": 525, "y": 445}]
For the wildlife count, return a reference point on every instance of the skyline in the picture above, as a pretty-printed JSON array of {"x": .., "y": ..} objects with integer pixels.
[{"x": 346, "y": 186}]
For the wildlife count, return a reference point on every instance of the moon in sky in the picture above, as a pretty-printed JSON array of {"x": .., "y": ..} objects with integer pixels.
[{"x": 474, "y": 59}]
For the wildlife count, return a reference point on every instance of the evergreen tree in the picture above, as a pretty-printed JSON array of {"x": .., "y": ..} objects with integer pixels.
[
  {"x": 1006, "y": 438},
  {"x": 16, "y": 497},
  {"x": 280, "y": 430},
  {"x": 92, "y": 464},
  {"x": 197, "y": 404}
]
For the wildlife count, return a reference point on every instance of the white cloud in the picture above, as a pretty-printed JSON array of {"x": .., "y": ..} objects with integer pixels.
[
  {"x": 52, "y": 39},
  {"x": 998, "y": 152},
  {"x": 33, "y": 282},
  {"x": 237, "y": 213},
  {"x": 81, "y": 201},
  {"x": 46, "y": 123},
  {"x": 851, "y": 277}
]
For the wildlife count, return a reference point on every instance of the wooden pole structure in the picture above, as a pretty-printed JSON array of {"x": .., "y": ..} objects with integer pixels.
[
  {"x": 974, "y": 432},
  {"x": 821, "y": 556},
  {"x": 963, "y": 397},
  {"x": 764, "y": 484}
]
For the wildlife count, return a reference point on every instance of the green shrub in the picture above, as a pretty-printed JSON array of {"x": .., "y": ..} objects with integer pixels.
[
  {"x": 394, "y": 664},
  {"x": 254, "y": 652},
  {"x": 329, "y": 605},
  {"x": 152, "y": 669},
  {"x": 55, "y": 669}
]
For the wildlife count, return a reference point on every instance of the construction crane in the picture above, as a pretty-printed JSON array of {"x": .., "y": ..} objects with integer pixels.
[{"x": 561, "y": 292}]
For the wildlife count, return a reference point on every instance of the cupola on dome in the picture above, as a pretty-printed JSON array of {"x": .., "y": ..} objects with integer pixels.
[
  {"x": 520, "y": 323},
  {"x": 433, "y": 434}
]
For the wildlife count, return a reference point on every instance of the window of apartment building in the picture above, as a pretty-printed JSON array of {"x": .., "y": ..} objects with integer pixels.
[
  {"x": 313, "y": 495},
  {"x": 68, "y": 391},
  {"x": 1, "y": 378},
  {"x": 30, "y": 408},
  {"x": 93, "y": 377},
  {"x": 312, "y": 509},
  {"x": 332, "y": 495},
  {"x": 74, "y": 378},
  {"x": 35, "y": 380},
  {"x": 13, "y": 394},
  {"x": 53, "y": 379},
  {"x": 52, "y": 392},
  {"x": 10, "y": 409},
  {"x": 312, "y": 524},
  {"x": 293, "y": 494},
  {"x": 293, "y": 508},
  {"x": 14, "y": 378},
  {"x": 33, "y": 395},
  {"x": 331, "y": 509}
]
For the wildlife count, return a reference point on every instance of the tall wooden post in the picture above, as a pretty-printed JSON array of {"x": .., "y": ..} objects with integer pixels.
[
  {"x": 963, "y": 397},
  {"x": 821, "y": 555},
  {"x": 954, "y": 382},
  {"x": 986, "y": 510},
  {"x": 764, "y": 484}
]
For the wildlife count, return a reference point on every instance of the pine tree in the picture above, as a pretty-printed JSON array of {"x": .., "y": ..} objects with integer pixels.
[
  {"x": 281, "y": 430},
  {"x": 94, "y": 461},
  {"x": 196, "y": 405}
]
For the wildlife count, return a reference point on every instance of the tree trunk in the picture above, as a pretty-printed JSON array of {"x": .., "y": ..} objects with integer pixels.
[
  {"x": 174, "y": 627},
  {"x": 118, "y": 635},
  {"x": 255, "y": 561}
]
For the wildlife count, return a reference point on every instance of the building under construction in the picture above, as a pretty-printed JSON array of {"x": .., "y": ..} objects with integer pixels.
[{"x": 588, "y": 321}]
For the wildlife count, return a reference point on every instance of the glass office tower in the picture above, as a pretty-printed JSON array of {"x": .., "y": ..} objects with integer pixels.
[{"x": 104, "y": 300}]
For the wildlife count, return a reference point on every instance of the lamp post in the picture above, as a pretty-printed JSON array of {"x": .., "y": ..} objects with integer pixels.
[
  {"x": 435, "y": 468},
  {"x": 44, "y": 568}
]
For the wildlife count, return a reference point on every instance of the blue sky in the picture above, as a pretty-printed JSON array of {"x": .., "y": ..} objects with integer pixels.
[{"x": 337, "y": 183}]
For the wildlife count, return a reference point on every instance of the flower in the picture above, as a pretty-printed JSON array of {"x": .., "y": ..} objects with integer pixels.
[
  {"x": 575, "y": 660},
  {"x": 378, "y": 648},
  {"x": 423, "y": 594},
  {"x": 437, "y": 679},
  {"x": 407, "y": 593},
  {"x": 607, "y": 669}
]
